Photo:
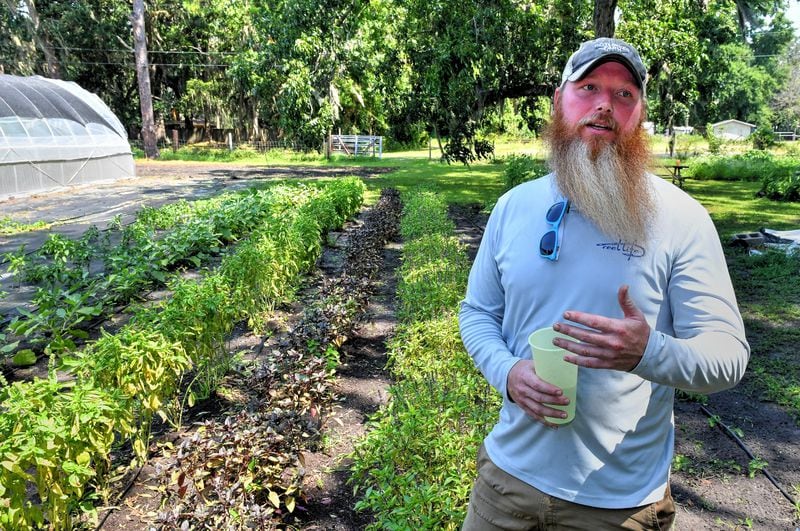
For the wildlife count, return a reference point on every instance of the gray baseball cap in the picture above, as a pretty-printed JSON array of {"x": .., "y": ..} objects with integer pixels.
[{"x": 593, "y": 53}]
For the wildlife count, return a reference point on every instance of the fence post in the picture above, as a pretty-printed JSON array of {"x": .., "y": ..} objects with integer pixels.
[
  {"x": 328, "y": 147},
  {"x": 355, "y": 152},
  {"x": 380, "y": 147},
  {"x": 174, "y": 140},
  {"x": 230, "y": 141}
]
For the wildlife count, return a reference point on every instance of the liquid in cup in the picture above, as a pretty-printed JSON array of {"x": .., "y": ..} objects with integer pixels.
[{"x": 550, "y": 366}]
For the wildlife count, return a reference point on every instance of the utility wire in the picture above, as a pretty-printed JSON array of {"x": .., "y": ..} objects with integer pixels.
[{"x": 112, "y": 50}]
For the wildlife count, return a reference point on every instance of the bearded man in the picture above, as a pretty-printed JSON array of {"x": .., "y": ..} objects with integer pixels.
[{"x": 631, "y": 269}]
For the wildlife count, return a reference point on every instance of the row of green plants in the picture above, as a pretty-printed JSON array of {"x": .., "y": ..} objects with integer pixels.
[
  {"x": 415, "y": 467},
  {"x": 57, "y": 435},
  {"x": 9, "y": 226},
  {"x": 246, "y": 471},
  {"x": 79, "y": 281},
  {"x": 779, "y": 175}
]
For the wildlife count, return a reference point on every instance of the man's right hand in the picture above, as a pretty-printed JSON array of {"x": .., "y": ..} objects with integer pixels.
[{"x": 531, "y": 393}]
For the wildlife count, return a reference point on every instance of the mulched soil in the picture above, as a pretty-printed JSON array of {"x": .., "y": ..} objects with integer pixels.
[
  {"x": 360, "y": 389},
  {"x": 713, "y": 490}
]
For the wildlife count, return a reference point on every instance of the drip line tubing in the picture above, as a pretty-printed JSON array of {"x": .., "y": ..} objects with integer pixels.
[{"x": 730, "y": 433}]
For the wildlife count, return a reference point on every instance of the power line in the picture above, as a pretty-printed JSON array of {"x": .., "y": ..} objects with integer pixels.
[
  {"x": 112, "y": 50},
  {"x": 133, "y": 65}
]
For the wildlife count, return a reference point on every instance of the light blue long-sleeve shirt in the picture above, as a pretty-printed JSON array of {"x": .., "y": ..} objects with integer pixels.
[{"x": 617, "y": 452}]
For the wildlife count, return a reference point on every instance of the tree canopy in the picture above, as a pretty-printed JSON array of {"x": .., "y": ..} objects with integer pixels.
[{"x": 298, "y": 69}]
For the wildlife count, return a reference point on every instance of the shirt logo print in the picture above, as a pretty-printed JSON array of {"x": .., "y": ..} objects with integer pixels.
[{"x": 631, "y": 250}]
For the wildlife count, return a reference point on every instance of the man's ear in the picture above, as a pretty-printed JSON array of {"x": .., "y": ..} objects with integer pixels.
[{"x": 556, "y": 96}]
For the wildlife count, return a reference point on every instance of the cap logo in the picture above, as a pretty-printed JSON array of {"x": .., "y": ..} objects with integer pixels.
[{"x": 611, "y": 47}]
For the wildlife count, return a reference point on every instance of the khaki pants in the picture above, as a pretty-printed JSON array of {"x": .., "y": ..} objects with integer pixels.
[{"x": 501, "y": 501}]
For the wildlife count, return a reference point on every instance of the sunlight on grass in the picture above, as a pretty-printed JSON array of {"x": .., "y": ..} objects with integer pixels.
[
  {"x": 478, "y": 183},
  {"x": 735, "y": 208}
]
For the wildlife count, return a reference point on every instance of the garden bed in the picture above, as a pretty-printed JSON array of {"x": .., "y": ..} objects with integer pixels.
[{"x": 711, "y": 481}]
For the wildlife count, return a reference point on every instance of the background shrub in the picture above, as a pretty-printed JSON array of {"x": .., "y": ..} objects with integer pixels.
[
  {"x": 521, "y": 168},
  {"x": 751, "y": 166},
  {"x": 781, "y": 187}
]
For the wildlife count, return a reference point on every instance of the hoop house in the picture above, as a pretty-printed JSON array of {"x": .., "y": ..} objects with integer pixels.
[{"x": 54, "y": 134}]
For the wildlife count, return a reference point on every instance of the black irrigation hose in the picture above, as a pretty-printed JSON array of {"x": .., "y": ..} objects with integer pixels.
[
  {"x": 121, "y": 498},
  {"x": 729, "y": 432}
]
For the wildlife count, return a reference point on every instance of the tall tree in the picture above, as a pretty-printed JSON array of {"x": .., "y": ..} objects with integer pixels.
[
  {"x": 143, "y": 76},
  {"x": 786, "y": 102},
  {"x": 39, "y": 36},
  {"x": 470, "y": 56},
  {"x": 603, "y": 17}
]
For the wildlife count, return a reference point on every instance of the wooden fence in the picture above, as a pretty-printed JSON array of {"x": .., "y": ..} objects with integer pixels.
[{"x": 355, "y": 145}]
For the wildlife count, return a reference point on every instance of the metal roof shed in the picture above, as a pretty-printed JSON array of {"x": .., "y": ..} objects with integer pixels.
[{"x": 55, "y": 134}]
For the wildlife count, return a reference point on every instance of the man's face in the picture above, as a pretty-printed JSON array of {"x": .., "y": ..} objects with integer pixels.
[
  {"x": 600, "y": 154},
  {"x": 603, "y": 106}
]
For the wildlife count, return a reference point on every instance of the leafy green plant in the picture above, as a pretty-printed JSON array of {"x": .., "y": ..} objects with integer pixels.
[
  {"x": 781, "y": 187},
  {"x": 763, "y": 137},
  {"x": 144, "y": 365},
  {"x": 8, "y": 226},
  {"x": 58, "y": 319},
  {"x": 682, "y": 463},
  {"x": 16, "y": 263},
  {"x": 425, "y": 213},
  {"x": 754, "y": 466},
  {"x": 714, "y": 141},
  {"x": 55, "y": 440},
  {"x": 198, "y": 316},
  {"x": 700, "y": 398},
  {"x": 749, "y": 166},
  {"x": 433, "y": 277},
  {"x": 521, "y": 168}
]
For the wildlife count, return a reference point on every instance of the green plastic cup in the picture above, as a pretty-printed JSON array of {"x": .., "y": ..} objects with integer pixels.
[{"x": 549, "y": 364}]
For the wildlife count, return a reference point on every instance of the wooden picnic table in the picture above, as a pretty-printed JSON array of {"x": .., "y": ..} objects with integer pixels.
[{"x": 675, "y": 172}]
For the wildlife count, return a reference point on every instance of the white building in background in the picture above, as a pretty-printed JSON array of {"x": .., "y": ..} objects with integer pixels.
[{"x": 732, "y": 129}]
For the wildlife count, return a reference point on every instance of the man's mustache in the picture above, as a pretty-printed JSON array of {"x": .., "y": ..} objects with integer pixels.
[{"x": 599, "y": 119}]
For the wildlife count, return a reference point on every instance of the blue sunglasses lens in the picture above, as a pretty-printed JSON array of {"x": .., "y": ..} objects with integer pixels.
[
  {"x": 547, "y": 245},
  {"x": 555, "y": 212}
]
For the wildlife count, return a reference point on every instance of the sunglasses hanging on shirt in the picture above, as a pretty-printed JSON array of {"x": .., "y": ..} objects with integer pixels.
[{"x": 550, "y": 242}]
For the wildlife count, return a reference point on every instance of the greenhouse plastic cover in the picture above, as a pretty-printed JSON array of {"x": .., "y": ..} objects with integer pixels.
[{"x": 54, "y": 133}]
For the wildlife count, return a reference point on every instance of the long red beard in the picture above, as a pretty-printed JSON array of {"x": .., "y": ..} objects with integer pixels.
[{"x": 607, "y": 182}]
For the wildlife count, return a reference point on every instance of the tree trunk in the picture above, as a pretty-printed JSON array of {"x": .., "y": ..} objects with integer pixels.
[
  {"x": 604, "y": 18},
  {"x": 143, "y": 76},
  {"x": 256, "y": 130},
  {"x": 439, "y": 141}
]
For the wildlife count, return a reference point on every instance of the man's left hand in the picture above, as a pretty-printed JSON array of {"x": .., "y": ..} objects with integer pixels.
[{"x": 609, "y": 343}]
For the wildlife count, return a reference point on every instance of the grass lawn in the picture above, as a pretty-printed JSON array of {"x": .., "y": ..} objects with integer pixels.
[{"x": 767, "y": 286}]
